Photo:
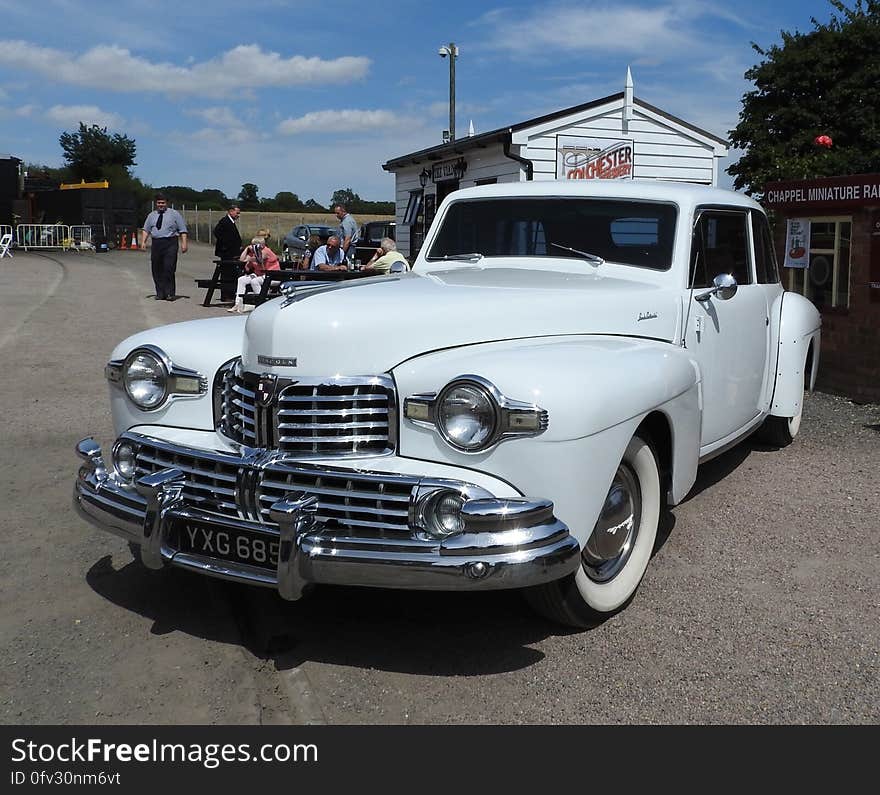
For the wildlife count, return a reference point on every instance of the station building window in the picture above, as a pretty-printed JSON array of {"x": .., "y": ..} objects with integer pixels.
[{"x": 826, "y": 282}]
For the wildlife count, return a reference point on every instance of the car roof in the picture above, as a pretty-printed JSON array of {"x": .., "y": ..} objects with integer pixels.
[{"x": 683, "y": 193}]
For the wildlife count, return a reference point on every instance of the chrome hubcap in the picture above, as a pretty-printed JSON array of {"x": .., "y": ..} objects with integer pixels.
[{"x": 611, "y": 543}]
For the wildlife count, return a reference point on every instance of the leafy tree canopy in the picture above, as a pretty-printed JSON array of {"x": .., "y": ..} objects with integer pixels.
[
  {"x": 90, "y": 152},
  {"x": 248, "y": 198},
  {"x": 825, "y": 82},
  {"x": 355, "y": 204},
  {"x": 285, "y": 202}
]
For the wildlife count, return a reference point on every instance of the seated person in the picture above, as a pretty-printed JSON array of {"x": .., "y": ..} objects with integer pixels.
[
  {"x": 257, "y": 258},
  {"x": 384, "y": 257},
  {"x": 329, "y": 257},
  {"x": 311, "y": 247}
]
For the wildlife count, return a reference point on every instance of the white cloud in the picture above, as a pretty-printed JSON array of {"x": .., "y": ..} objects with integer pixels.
[
  {"x": 340, "y": 121},
  {"x": 72, "y": 115},
  {"x": 218, "y": 116},
  {"x": 632, "y": 29},
  {"x": 26, "y": 111},
  {"x": 115, "y": 68}
]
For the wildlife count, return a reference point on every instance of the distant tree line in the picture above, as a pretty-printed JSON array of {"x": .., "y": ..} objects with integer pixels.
[{"x": 92, "y": 154}]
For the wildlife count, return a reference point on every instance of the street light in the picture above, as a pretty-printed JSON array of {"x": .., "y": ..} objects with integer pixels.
[{"x": 452, "y": 51}]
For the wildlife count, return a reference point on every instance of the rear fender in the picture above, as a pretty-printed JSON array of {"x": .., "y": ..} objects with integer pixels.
[{"x": 799, "y": 334}]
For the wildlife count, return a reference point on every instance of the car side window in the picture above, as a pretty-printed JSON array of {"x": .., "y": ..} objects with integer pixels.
[
  {"x": 720, "y": 246},
  {"x": 765, "y": 257}
]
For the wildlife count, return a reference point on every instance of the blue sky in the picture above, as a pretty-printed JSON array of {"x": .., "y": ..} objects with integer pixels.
[{"x": 312, "y": 96}]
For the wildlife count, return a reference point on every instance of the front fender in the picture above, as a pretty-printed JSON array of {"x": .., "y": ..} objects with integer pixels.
[
  {"x": 586, "y": 383},
  {"x": 799, "y": 330},
  {"x": 597, "y": 391},
  {"x": 201, "y": 345}
]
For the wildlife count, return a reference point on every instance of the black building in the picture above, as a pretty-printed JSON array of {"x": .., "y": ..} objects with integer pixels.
[{"x": 10, "y": 185}]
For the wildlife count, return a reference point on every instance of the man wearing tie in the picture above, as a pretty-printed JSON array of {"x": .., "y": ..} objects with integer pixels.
[
  {"x": 165, "y": 226},
  {"x": 227, "y": 243}
]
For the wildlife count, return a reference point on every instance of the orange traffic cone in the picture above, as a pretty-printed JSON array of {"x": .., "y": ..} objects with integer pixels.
[
  {"x": 124, "y": 243},
  {"x": 134, "y": 240}
]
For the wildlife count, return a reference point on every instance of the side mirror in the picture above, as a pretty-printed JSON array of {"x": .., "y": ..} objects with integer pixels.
[
  {"x": 397, "y": 267},
  {"x": 724, "y": 288}
]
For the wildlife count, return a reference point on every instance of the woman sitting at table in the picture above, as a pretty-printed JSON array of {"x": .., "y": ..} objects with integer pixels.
[{"x": 257, "y": 258}]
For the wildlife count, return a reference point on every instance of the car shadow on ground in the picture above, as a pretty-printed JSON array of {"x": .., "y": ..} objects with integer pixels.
[
  {"x": 429, "y": 632},
  {"x": 717, "y": 469}
]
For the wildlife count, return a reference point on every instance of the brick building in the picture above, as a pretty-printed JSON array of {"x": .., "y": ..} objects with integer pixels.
[{"x": 833, "y": 258}]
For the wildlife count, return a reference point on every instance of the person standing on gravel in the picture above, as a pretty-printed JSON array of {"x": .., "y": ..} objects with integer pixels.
[
  {"x": 165, "y": 226},
  {"x": 347, "y": 230}
]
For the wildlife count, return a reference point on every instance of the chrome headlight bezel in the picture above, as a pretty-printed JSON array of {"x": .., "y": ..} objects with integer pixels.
[
  {"x": 512, "y": 418},
  {"x": 157, "y": 398},
  {"x": 490, "y": 410},
  {"x": 178, "y": 382}
]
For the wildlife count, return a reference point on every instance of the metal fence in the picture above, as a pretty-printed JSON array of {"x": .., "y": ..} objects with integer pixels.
[{"x": 47, "y": 236}]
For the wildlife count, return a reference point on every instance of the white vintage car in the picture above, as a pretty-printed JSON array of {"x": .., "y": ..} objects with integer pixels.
[{"x": 515, "y": 412}]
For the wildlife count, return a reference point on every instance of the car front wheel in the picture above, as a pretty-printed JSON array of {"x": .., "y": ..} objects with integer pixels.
[{"x": 616, "y": 555}]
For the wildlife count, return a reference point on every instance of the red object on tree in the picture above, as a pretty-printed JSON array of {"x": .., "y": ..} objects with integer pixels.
[{"x": 823, "y": 140}]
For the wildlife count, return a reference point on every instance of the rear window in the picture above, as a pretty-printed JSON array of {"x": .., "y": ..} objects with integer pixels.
[{"x": 632, "y": 233}]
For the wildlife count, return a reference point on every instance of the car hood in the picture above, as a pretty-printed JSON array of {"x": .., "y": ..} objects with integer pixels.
[{"x": 368, "y": 326}]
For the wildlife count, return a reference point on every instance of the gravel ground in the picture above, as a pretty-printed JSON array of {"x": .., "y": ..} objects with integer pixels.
[{"x": 761, "y": 604}]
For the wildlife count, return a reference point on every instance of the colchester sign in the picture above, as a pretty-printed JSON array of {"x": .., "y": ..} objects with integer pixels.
[{"x": 583, "y": 159}]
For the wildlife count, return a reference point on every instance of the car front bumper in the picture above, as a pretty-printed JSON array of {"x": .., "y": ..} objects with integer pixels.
[{"x": 505, "y": 543}]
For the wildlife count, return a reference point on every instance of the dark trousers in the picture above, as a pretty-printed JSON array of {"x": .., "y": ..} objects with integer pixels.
[{"x": 163, "y": 258}]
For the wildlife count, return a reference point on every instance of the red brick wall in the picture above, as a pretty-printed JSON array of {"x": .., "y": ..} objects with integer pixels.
[{"x": 849, "y": 363}]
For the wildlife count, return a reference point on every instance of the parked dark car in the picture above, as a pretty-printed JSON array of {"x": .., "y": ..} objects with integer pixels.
[
  {"x": 369, "y": 237},
  {"x": 296, "y": 241}
]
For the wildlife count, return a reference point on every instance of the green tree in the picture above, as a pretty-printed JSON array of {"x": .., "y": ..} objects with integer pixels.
[
  {"x": 90, "y": 152},
  {"x": 825, "y": 82},
  {"x": 248, "y": 198},
  {"x": 313, "y": 207},
  {"x": 346, "y": 197},
  {"x": 287, "y": 202}
]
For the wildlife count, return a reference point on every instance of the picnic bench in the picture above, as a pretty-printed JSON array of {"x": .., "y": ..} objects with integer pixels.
[
  {"x": 225, "y": 278},
  {"x": 274, "y": 279}
]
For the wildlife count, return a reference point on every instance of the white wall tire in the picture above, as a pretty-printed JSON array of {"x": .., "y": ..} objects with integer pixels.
[
  {"x": 780, "y": 431},
  {"x": 612, "y": 566}
]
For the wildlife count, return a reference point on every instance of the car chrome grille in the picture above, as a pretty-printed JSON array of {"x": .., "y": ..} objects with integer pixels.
[
  {"x": 357, "y": 504},
  {"x": 307, "y": 418},
  {"x": 211, "y": 484},
  {"x": 375, "y": 506}
]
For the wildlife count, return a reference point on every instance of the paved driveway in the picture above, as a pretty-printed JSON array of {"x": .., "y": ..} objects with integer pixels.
[{"x": 762, "y": 604}]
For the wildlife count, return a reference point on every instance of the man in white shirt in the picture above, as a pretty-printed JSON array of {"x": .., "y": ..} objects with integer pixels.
[{"x": 329, "y": 257}]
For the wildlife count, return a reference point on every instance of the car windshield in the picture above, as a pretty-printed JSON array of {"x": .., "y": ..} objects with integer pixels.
[
  {"x": 629, "y": 232},
  {"x": 321, "y": 231}
]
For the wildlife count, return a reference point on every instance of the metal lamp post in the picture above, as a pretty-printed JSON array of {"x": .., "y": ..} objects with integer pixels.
[{"x": 452, "y": 51}]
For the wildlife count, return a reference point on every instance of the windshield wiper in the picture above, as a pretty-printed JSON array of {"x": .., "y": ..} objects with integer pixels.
[
  {"x": 472, "y": 257},
  {"x": 593, "y": 259}
]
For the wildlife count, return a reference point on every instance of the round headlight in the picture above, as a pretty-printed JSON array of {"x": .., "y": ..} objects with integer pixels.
[
  {"x": 125, "y": 459},
  {"x": 145, "y": 379},
  {"x": 467, "y": 416}
]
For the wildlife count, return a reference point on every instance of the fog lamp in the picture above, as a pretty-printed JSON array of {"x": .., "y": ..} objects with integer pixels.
[
  {"x": 125, "y": 460},
  {"x": 443, "y": 514}
]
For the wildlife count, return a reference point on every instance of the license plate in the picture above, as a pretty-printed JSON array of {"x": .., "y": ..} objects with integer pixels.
[{"x": 227, "y": 543}]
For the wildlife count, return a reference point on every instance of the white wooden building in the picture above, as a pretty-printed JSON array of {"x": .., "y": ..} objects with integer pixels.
[{"x": 616, "y": 137}]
